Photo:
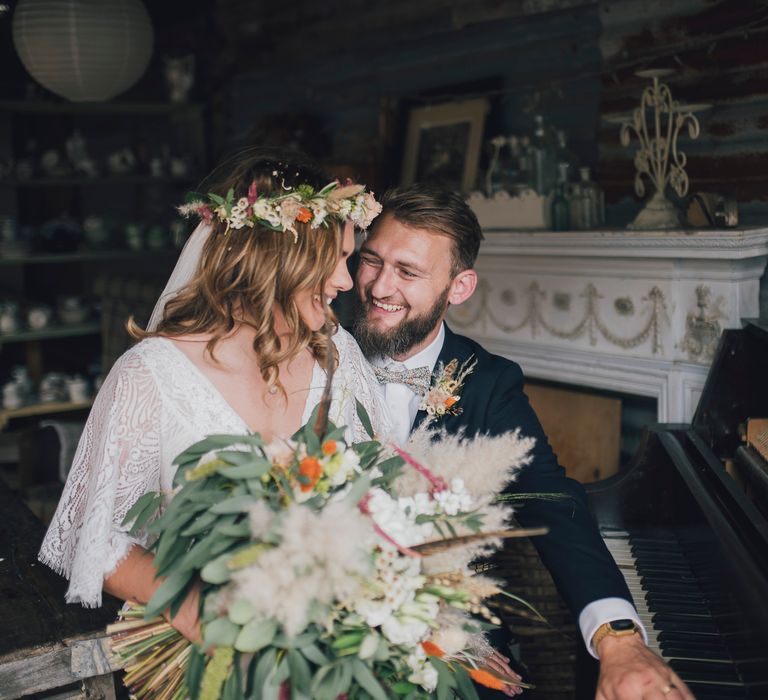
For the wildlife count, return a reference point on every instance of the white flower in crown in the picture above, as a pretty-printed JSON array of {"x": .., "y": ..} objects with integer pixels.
[
  {"x": 319, "y": 212},
  {"x": 443, "y": 395}
]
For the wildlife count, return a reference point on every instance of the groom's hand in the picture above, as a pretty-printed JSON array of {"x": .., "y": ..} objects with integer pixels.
[{"x": 629, "y": 670}]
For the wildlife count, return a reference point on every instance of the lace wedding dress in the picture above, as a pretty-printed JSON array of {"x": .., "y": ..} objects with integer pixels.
[{"x": 153, "y": 405}]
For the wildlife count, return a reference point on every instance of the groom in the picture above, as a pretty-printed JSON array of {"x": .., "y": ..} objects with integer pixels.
[{"x": 416, "y": 261}]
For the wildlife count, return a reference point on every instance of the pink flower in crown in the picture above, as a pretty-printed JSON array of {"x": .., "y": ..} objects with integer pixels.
[{"x": 253, "y": 194}]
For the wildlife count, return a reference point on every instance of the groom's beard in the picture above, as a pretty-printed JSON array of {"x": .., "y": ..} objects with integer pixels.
[{"x": 396, "y": 341}]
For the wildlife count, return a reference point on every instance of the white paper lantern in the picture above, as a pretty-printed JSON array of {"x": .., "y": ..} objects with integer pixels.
[{"x": 84, "y": 50}]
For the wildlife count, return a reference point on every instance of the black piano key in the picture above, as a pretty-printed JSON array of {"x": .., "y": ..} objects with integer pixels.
[
  {"x": 671, "y": 621},
  {"x": 713, "y": 692},
  {"x": 701, "y": 670},
  {"x": 713, "y": 655}
]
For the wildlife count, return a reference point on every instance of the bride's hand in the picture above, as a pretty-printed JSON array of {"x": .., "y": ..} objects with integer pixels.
[{"x": 187, "y": 620}]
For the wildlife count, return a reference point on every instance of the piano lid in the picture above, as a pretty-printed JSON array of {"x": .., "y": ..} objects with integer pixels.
[{"x": 736, "y": 387}]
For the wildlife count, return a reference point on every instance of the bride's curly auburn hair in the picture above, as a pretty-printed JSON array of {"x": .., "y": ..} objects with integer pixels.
[{"x": 244, "y": 273}]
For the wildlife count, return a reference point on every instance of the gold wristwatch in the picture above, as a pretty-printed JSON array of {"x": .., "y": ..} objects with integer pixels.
[{"x": 615, "y": 628}]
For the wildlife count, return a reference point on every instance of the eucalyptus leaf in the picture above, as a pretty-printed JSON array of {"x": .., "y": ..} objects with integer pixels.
[
  {"x": 364, "y": 676},
  {"x": 313, "y": 654},
  {"x": 365, "y": 419},
  {"x": 255, "y": 635},
  {"x": 200, "y": 524},
  {"x": 239, "y": 457},
  {"x": 216, "y": 571},
  {"x": 232, "y": 689},
  {"x": 141, "y": 511},
  {"x": 195, "y": 668},
  {"x": 345, "y": 678},
  {"x": 235, "y": 530},
  {"x": 169, "y": 589},
  {"x": 465, "y": 686},
  {"x": 322, "y": 680},
  {"x": 234, "y": 504},
  {"x": 404, "y": 687},
  {"x": 296, "y": 642},
  {"x": 221, "y": 632},
  {"x": 260, "y": 672},
  {"x": 246, "y": 471},
  {"x": 241, "y": 612},
  {"x": 359, "y": 488},
  {"x": 169, "y": 551},
  {"x": 445, "y": 680},
  {"x": 301, "y": 675}
]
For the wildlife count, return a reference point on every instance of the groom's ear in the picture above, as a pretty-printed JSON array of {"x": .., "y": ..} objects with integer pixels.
[{"x": 462, "y": 287}]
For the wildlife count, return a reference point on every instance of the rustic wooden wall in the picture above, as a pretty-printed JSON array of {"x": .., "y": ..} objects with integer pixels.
[
  {"x": 353, "y": 68},
  {"x": 719, "y": 50},
  {"x": 340, "y": 77}
]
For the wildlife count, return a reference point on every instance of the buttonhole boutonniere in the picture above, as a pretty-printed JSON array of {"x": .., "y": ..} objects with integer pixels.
[{"x": 444, "y": 393}]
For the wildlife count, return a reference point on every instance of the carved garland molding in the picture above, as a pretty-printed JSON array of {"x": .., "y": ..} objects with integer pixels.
[{"x": 591, "y": 323}]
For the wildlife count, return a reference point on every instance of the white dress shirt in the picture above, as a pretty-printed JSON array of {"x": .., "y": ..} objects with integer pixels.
[
  {"x": 402, "y": 401},
  {"x": 403, "y": 404}
]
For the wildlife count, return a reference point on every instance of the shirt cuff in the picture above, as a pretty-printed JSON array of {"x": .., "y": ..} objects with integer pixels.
[{"x": 598, "y": 612}]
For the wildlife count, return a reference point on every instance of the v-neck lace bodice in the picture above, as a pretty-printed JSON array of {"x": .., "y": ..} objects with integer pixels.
[{"x": 151, "y": 408}]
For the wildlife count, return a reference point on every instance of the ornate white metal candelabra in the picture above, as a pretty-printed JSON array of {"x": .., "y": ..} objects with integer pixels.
[{"x": 658, "y": 157}]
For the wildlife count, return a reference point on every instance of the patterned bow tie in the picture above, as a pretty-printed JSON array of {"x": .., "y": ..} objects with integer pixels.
[{"x": 417, "y": 379}]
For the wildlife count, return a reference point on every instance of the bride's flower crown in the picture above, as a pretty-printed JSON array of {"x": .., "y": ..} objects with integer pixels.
[{"x": 280, "y": 212}]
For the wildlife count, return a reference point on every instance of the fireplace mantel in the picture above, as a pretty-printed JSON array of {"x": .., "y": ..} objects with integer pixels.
[{"x": 636, "y": 312}]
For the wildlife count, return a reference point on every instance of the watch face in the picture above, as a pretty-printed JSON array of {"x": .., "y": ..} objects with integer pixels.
[{"x": 622, "y": 625}]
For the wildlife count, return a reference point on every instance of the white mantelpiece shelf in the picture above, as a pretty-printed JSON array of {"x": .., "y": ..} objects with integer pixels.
[{"x": 629, "y": 311}]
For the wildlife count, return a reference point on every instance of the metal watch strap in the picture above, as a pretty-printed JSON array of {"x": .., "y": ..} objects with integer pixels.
[{"x": 606, "y": 630}]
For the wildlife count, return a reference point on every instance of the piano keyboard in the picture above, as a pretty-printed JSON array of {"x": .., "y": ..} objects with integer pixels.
[{"x": 680, "y": 606}]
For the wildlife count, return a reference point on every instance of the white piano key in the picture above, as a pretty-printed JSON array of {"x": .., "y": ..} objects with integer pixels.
[{"x": 620, "y": 549}]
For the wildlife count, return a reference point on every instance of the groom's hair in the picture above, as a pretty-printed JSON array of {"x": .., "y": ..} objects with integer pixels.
[{"x": 442, "y": 211}]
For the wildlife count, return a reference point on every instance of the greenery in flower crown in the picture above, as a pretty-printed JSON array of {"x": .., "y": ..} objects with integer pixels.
[
  {"x": 280, "y": 212},
  {"x": 328, "y": 570}
]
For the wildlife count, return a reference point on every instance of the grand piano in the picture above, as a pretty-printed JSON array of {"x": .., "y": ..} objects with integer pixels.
[{"x": 687, "y": 523}]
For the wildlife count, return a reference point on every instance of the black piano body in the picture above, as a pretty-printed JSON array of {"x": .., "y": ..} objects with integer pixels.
[{"x": 697, "y": 542}]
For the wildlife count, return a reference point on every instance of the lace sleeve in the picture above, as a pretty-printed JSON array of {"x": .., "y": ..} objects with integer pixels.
[
  {"x": 117, "y": 460},
  {"x": 356, "y": 380}
]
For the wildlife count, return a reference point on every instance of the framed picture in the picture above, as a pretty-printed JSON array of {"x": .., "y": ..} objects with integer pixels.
[{"x": 442, "y": 146}]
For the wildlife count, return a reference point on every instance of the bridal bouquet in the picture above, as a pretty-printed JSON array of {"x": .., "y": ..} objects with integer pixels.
[{"x": 328, "y": 570}]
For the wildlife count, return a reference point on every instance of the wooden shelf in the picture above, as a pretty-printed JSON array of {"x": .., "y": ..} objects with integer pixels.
[
  {"x": 106, "y": 108},
  {"x": 58, "y": 331},
  {"x": 86, "y": 256},
  {"x": 42, "y": 409}
]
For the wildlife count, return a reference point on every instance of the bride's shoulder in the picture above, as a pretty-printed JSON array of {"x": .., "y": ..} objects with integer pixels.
[{"x": 146, "y": 356}]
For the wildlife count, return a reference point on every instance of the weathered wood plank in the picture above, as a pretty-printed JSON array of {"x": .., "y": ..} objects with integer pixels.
[
  {"x": 93, "y": 657},
  {"x": 43, "y": 671},
  {"x": 100, "y": 687}
]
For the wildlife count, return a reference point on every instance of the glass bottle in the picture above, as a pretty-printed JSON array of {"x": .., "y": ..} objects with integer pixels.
[
  {"x": 563, "y": 154},
  {"x": 560, "y": 207},
  {"x": 494, "y": 176},
  {"x": 544, "y": 167},
  {"x": 576, "y": 206},
  {"x": 527, "y": 176},
  {"x": 512, "y": 175},
  {"x": 594, "y": 198}
]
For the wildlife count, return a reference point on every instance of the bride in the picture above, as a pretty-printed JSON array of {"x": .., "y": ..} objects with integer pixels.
[{"x": 236, "y": 344}]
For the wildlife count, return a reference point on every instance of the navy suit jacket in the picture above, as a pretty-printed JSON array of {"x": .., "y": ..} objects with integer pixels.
[{"x": 493, "y": 402}]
